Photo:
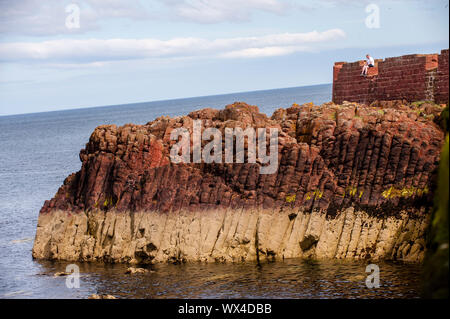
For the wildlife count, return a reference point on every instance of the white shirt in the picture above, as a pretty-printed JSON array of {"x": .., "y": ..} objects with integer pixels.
[{"x": 370, "y": 60}]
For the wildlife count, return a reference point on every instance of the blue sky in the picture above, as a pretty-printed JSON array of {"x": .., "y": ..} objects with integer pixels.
[{"x": 135, "y": 51}]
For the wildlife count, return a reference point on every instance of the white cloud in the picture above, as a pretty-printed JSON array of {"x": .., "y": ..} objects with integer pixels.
[
  {"x": 262, "y": 52},
  {"x": 215, "y": 11},
  {"x": 132, "y": 9},
  {"x": 73, "y": 51},
  {"x": 47, "y": 18}
]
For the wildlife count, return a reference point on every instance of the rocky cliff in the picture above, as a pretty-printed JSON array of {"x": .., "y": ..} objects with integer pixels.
[{"x": 353, "y": 181}]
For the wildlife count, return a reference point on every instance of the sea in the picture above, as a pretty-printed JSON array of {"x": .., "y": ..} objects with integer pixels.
[{"x": 39, "y": 150}]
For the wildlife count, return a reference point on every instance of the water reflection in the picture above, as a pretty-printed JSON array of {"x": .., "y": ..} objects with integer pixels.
[{"x": 288, "y": 279}]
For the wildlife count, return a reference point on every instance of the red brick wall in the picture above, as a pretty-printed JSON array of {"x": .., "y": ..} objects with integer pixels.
[
  {"x": 349, "y": 85},
  {"x": 441, "y": 86},
  {"x": 411, "y": 77}
]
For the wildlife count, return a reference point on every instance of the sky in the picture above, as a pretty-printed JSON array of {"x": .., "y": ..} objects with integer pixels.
[{"x": 58, "y": 54}]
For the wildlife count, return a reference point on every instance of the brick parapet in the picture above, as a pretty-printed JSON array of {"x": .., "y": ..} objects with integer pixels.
[{"x": 412, "y": 77}]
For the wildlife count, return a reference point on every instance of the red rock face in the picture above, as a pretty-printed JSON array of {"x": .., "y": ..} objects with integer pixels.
[{"x": 382, "y": 158}]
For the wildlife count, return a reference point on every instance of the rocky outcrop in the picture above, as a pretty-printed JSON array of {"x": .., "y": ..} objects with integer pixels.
[{"x": 353, "y": 181}]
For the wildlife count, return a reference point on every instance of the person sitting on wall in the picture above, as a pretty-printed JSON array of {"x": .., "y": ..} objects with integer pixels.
[{"x": 370, "y": 63}]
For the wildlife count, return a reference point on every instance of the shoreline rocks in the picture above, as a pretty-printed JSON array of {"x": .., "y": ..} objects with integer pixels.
[{"x": 353, "y": 181}]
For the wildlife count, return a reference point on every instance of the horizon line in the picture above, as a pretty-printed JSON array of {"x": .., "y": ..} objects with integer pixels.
[{"x": 159, "y": 100}]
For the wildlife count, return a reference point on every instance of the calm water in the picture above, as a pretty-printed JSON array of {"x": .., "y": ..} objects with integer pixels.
[{"x": 37, "y": 151}]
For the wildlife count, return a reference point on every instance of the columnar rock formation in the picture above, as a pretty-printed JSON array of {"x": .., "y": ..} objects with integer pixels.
[
  {"x": 415, "y": 77},
  {"x": 353, "y": 181}
]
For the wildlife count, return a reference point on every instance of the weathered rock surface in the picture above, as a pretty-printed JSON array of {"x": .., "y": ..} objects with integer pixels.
[
  {"x": 95, "y": 296},
  {"x": 353, "y": 181}
]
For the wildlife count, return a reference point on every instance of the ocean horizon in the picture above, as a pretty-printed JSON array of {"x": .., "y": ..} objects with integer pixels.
[{"x": 224, "y": 95}]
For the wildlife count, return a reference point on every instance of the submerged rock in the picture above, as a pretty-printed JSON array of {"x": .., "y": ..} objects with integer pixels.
[
  {"x": 352, "y": 181},
  {"x": 133, "y": 270},
  {"x": 61, "y": 273}
]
